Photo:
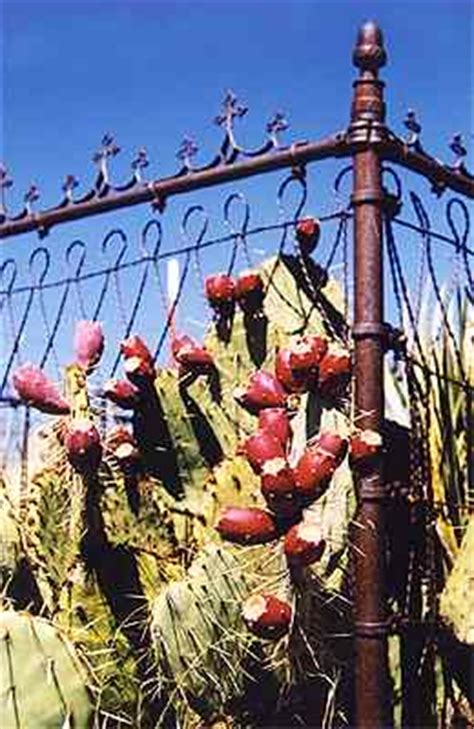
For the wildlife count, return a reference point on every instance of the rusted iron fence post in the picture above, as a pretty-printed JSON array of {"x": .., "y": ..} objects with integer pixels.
[{"x": 367, "y": 127}]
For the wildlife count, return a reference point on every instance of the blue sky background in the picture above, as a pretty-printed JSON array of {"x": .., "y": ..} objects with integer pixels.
[{"x": 152, "y": 72}]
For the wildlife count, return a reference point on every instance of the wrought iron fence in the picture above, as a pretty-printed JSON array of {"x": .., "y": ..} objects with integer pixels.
[{"x": 428, "y": 301}]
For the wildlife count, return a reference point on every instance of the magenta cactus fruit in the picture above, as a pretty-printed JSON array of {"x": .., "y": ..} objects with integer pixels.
[
  {"x": 220, "y": 291},
  {"x": 35, "y": 389},
  {"x": 250, "y": 291},
  {"x": 83, "y": 445},
  {"x": 363, "y": 447},
  {"x": 278, "y": 487},
  {"x": 308, "y": 231},
  {"x": 292, "y": 382},
  {"x": 122, "y": 444},
  {"x": 246, "y": 525},
  {"x": 88, "y": 343},
  {"x": 331, "y": 443},
  {"x": 262, "y": 447},
  {"x": 304, "y": 544},
  {"x": 139, "y": 366},
  {"x": 334, "y": 370},
  {"x": 306, "y": 354},
  {"x": 135, "y": 347},
  {"x": 276, "y": 422},
  {"x": 263, "y": 390},
  {"x": 123, "y": 393},
  {"x": 191, "y": 355},
  {"x": 267, "y": 616},
  {"x": 313, "y": 473}
]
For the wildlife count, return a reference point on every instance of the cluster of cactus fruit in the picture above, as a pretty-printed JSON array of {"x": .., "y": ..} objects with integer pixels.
[
  {"x": 213, "y": 533},
  {"x": 203, "y": 599}
]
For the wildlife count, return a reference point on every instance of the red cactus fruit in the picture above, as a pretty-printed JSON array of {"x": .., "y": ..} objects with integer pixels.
[
  {"x": 88, "y": 343},
  {"x": 313, "y": 472},
  {"x": 262, "y": 447},
  {"x": 135, "y": 347},
  {"x": 123, "y": 393},
  {"x": 139, "y": 370},
  {"x": 332, "y": 444},
  {"x": 334, "y": 370},
  {"x": 267, "y": 616},
  {"x": 263, "y": 391},
  {"x": 220, "y": 291},
  {"x": 122, "y": 444},
  {"x": 139, "y": 366},
  {"x": 34, "y": 388},
  {"x": 276, "y": 422},
  {"x": 278, "y": 487},
  {"x": 364, "y": 446},
  {"x": 308, "y": 231},
  {"x": 307, "y": 353},
  {"x": 250, "y": 291},
  {"x": 178, "y": 342},
  {"x": 192, "y": 355},
  {"x": 246, "y": 525},
  {"x": 304, "y": 544},
  {"x": 292, "y": 382},
  {"x": 83, "y": 446}
]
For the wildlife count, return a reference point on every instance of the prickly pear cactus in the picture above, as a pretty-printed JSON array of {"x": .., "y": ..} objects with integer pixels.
[
  {"x": 9, "y": 537},
  {"x": 206, "y": 658},
  {"x": 43, "y": 682},
  {"x": 457, "y": 598},
  {"x": 158, "y": 518}
]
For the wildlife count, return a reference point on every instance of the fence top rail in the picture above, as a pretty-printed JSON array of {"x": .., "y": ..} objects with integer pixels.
[{"x": 232, "y": 162}]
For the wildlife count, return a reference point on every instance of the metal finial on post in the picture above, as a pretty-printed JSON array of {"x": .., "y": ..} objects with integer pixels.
[
  {"x": 372, "y": 687},
  {"x": 369, "y": 52}
]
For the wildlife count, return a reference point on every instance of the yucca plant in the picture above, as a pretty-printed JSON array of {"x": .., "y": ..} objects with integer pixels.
[{"x": 437, "y": 393}]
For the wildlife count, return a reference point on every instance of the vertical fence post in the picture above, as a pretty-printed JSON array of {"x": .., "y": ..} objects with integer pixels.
[{"x": 372, "y": 699}]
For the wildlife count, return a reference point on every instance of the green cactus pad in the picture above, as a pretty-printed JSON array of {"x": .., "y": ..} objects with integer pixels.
[
  {"x": 9, "y": 537},
  {"x": 43, "y": 683},
  {"x": 457, "y": 598},
  {"x": 201, "y": 643}
]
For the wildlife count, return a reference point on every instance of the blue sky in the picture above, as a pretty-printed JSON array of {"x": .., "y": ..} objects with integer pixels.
[{"x": 151, "y": 72}]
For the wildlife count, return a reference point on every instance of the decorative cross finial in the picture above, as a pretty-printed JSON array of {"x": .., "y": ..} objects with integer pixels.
[
  {"x": 30, "y": 197},
  {"x": 69, "y": 185},
  {"x": 5, "y": 183},
  {"x": 108, "y": 149},
  {"x": 139, "y": 163},
  {"x": 414, "y": 128},
  {"x": 187, "y": 151},
  {"x": 231, "y": 109},
  {"x": 456, "y": 146},
  {"x": 277, "y": 124}
]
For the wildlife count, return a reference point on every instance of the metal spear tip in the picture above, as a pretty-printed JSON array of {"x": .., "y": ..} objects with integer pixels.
[{"x": 369, "y": 52}]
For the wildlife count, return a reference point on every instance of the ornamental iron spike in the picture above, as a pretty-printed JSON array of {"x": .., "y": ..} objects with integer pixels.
[
  {"x": 108, "y": 149},
  {"x": 187, "y": 150},
  {"x": 277, "y": 124},
  {"x": 31, "y": 196},
  {"x": 413, "y": 126},
  {"x": 5, "y": 183},
  {"x": 139, "y": 163},
  {"x": 230, "y": 110},
  {"x": 69, "y": 185},
  {"x": 458, "y": 148}
]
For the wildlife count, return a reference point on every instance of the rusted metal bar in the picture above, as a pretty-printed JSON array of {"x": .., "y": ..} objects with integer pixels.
[
  {"x": 441, "y": 176},
  {"x": 159, "y": 191},
  {"x": 372, "y": 686}
]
